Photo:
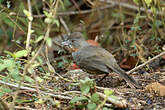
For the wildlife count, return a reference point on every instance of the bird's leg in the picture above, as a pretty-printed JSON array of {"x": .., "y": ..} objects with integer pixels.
[{"x": 103, "y": 77}]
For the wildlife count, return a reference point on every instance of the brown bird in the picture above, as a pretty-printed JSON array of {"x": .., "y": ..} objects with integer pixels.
[{"x": 95, "y": 60}]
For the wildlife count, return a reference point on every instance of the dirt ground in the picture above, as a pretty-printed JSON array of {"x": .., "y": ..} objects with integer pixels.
[{"x": 137, "y": 99}]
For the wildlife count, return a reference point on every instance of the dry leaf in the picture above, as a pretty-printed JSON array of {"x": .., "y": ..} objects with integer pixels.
[
  {"x": 129, "y": 62},
  {"x": 156, "y": 88}
]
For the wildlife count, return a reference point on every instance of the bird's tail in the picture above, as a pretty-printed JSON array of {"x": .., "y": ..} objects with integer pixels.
[{"x": 131, "y": 82}]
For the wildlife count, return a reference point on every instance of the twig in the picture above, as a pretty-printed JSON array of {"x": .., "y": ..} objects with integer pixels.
[
  {"x": 29, "y": 26},
  {"x": 24, "y": 108},
  {"x": 102, "y": 103},
  {"x": 34, "y": 90},
  {"x": 130, "y": 6},
  {"x": 65, "y": 25},
  {"x": 51, "y": 68},
  {"x": 76, "y": 5},
  {"x": 2, "y": 10},
  {"x": 43, "y": 42},
  {"x": 27, "y": 47},
  {"x": 117, "y": 101},
  {"x": 4, "y": 104},
  {"x": 67, "y": 13},
  {"x": 142, "y": 65},
  {"x": 28, "y": 43}
]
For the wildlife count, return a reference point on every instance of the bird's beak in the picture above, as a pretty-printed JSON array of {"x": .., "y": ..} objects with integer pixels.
[{"x": 66, "y": 43}]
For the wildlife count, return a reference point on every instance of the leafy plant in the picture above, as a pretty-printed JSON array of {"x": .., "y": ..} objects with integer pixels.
[
  {"x": 91, "y": 101},
  {"x": 13, "y": 66},
  {"x": 88, "y": 99}
]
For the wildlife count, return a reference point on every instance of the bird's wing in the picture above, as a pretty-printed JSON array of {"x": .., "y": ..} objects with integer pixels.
[
  {"x": 89, "y": 60},
  {"x": 112, "y": 64},
  {"x": 106, "y": 57},
  {"x": 95, "y": 64}
]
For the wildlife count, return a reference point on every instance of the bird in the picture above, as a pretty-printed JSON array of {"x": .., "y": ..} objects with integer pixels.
[{"x": 94, "y": 59}]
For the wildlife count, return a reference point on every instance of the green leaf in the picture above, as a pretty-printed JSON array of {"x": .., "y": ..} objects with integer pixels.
[
  {"x": 2, "y": 67},
  {"x": 29, "y": 79},
  {"x": 55, "y": 21},
  {"x": 39, "y": 39},
  {"x": 39, "y": 79},
  {"x": 108, "y": 92},
  {"x": 95, "y": 97},
  {"x": 41, "y": 69},
  {"x": 1, "y": 94},
  {"x": 148, "y": 2},
  {"x": 48, "y": 20},
  {"x": 87, "y": 80},
  {"x": 76, "y": 99},
  {"x": 28, "y": 14},
  {"x": 46, "y": 13},
  {"x": 9, "y": 53},
  {"x": 85, "y": 89},
  {"x": 85, "y": 85},
  {"x": 60, "y": 64},
  {"x": 136, "y": 1},
  {"x": 9, "y": 63},
  {"x": 105, "y": 108},
  {"x": 6, "y": 90},
  {"x": 14, "y": 74},
  {"x": 91, "y": 106},
  {"x": 49, "y": 41},
  {"x": 21, "y": 53}
]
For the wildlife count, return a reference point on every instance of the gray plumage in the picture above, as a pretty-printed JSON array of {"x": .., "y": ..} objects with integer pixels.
[{"x": 96, "y": 60}]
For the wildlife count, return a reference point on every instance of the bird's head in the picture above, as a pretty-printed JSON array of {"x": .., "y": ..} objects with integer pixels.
[{"x": 75, "y": 41}]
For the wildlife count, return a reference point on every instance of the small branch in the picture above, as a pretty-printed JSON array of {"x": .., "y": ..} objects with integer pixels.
[
  {"x": 38, "y": 52},
  {"x": 27, "y": 65},
  {"x": 4, "y": 104},
  {"x": 34, "y": 90},
  {"x": 118, "y": 101},
  {"x": 67, "y": 13},
  {"x": 23, "y": 108},
  {"x": 142, "y": 65},
  {"x": 29, "y": 26},
  {"x": 43, "y": 42},
  {"x": 65, "y": 25},
  {"x": 129, "y": 6},
  {"x": 76, "y": 5}
]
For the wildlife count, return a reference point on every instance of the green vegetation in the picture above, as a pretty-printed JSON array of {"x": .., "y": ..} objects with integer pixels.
[{"x": 36, "y": 72}]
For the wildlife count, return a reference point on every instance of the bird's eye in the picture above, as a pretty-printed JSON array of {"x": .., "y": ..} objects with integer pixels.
[{"x": 72, "y": 40}]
